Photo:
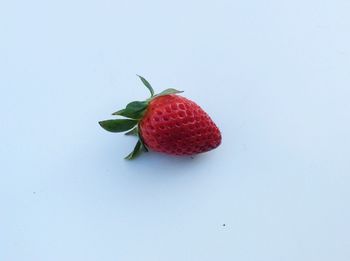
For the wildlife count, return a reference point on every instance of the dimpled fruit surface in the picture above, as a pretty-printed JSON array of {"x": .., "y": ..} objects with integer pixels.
[{"x": 175, "y": 125}]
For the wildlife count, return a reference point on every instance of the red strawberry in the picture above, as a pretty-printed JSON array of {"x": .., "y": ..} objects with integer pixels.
[{"x": 166, "y": 123}]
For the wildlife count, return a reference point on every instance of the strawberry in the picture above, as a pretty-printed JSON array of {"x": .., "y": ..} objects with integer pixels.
[{"x": 167, "y": 123}]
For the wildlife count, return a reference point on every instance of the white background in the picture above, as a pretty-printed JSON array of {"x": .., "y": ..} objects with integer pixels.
[{"x": 274, "y": 76}]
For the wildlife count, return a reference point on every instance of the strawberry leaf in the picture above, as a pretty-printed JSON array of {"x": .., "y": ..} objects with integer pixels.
[
  {"x": 119, "y": 125},
  {"x": 133, "y": 132},
  {"x": 147, "y": 84},
  {"x": 133, "y": 110},
  {"x": 136, "y": 152},
  {"x": 168, "y": 92}
]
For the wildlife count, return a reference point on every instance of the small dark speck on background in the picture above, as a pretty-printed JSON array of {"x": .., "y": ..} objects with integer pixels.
[
  {"x": 192, "y": 157},
  {"x": 224, "y": 225},
  {"x": 34, "y": 192}
]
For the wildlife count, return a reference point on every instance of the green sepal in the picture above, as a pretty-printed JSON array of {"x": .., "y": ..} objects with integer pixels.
[
  {"x": 141, "y": 139},
  {"x": 133, "y": 132},
  {"x": 118, "y": 125},
  {"x": 167, "y": 92},
  {"x": 133, "y": 110},
  {"x": 147, "y": 84},
  {"x": 139, "y": 148}
]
